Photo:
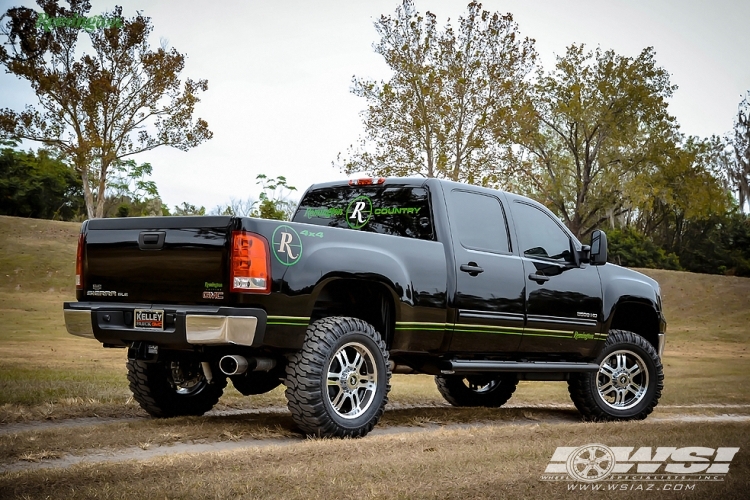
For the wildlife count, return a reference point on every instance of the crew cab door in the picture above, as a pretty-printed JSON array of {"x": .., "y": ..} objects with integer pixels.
[
  {"x": 490, "y": 283},
  {"x": 563, "y": 298}
]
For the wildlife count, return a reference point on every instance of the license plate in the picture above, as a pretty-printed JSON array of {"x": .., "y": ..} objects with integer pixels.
[{"x": 149, "y": 319}]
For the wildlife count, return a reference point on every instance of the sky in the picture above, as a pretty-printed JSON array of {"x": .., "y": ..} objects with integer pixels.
[{"x": 279, "y": 74}]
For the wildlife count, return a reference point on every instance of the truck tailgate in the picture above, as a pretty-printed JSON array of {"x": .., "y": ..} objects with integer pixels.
[{"x": 157, "y": 259}]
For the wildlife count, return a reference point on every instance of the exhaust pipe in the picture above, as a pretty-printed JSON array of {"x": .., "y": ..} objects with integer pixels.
[
  {"x": 233, "y": 365},
  {"x": 237, "y": 365}
]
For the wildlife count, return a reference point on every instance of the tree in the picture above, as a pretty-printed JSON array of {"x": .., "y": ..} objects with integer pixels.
[
  {"x": 684, "y": 186},
  {"x": 739, "y": 171},
  {"x": 273, "y": 202},
  {"x": 188, "y": 209},
  {"x": 591, "y": 127},
  {"x": 131, "y": 193},
  {"x": 98, "y": 110},
  {"x": 449, "y": 92},
  {"x": 38, "y": 185}
]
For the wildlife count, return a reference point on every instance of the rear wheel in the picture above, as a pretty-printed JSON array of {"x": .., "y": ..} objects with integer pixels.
[
  {"x": 173, "y": 388},
  {"x": 477, "y": 390},
  {"x": 628, "y": 384},
  {"x": 337, "y": 385}
]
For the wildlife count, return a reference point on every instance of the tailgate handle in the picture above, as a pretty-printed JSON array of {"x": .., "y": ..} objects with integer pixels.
[{"x": 151, "y": 240}]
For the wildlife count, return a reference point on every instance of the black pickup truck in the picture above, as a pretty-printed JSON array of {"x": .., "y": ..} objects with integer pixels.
[{"x": 480, "y": 288}]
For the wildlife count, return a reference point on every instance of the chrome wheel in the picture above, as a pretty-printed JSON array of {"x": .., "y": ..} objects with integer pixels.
[
  {"x": 622, "y": 380},
  {"x": 352, "y": 380},
  {"x": 481, "y": 385},
  {"x": 187, "y": 378}
]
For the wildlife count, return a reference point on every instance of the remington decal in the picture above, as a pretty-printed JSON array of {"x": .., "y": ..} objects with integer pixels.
[{"x": 286, "y": 245}]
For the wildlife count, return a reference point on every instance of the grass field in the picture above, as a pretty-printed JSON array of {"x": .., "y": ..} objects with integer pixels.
[{"x": 46, "y": 374}]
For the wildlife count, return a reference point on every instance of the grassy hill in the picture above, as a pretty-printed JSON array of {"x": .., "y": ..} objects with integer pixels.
[{"x": 44, "y": 372}]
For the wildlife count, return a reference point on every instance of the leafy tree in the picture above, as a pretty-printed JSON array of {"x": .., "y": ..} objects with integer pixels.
[
  {"x": 684, "y": 186},
  {"x": 273, "y": 203},
  {"x": 591, "y": 127},
  {"x": 131, "y": 193},
  {"x": 188, "y": 209},
  {"x": 719, "y": 244},
  {"x": 38, "y": 185},
  {"x": 451, "y": 91},
  {"x": 120, "y": 100},
  {"x": 630, "y": 248}
]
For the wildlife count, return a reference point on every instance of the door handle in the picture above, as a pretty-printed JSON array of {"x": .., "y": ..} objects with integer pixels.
[
  {"x": 472, "y": 268},
  {"x": 539, "y": 278}
]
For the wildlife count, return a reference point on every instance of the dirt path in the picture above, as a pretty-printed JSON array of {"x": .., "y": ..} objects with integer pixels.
[
  {"x": 42, "y": 425},
  {"x": 138, "y": 453}
]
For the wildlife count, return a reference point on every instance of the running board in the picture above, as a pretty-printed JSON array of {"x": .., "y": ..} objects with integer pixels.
[{"x": 477, "y": 366}]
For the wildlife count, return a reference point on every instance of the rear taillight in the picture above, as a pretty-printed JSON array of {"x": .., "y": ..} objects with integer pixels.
[
  {"x": 249, "y": 263},
  {"x": 79, "y": 262}
]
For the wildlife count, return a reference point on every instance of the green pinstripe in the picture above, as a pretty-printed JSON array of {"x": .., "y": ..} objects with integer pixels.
[{"x": 458, "y": 327}]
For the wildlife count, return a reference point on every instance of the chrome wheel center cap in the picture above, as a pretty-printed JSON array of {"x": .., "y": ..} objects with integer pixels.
[{"x": 349, "y": 380}]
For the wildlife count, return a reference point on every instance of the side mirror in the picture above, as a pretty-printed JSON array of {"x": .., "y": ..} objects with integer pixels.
[{"x": 598, "y": 248}]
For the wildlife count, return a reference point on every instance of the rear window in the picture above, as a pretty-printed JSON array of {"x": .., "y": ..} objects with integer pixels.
[{"x": 396, "y": 210}]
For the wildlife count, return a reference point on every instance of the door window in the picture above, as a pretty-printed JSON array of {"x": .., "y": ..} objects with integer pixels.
[
  {"x": 478, "y": 221},
  {"x": 539, "y": 235}
]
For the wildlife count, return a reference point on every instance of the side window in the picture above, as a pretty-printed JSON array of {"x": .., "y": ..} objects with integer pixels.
[
  {"x": 539, "y": 235},
  {"x": 478, "y": 221}
]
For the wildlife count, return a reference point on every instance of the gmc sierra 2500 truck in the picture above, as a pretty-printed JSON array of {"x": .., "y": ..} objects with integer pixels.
[{"x": 480, "y": 288}]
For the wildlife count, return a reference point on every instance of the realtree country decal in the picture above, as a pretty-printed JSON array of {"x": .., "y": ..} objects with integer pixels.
[
  {"x": 397, "y": 211},
  {"x": 323, "y": 212},
  {"x": 358, "y": 212},
  {"x": 286, "y": 245}
]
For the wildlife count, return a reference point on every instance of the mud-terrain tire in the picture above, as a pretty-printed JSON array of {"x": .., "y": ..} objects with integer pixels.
[
  {"x": 254, "y": 383},
  {"x": 628, "y": 384},
  {"x": 337, "y": 384},
  {"x": 491, "y": 391},
  {"x": 154, "y": 387}
]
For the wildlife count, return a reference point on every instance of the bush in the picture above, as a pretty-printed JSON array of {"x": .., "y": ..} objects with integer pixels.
[
  {"x": 628, "y": 247},
  {"x": 717, "y": 245}
]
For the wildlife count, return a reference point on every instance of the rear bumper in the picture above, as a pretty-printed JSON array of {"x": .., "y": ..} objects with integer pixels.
[{"x": 184, "y": 326}]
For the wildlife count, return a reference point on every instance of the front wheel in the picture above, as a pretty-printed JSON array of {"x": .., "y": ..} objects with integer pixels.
[
  {"x": 337, "y": 385},
  {"x": 628, "y": 384},
  {"x": 173, "y": 388},
  {"x": 491, "y": 390}
]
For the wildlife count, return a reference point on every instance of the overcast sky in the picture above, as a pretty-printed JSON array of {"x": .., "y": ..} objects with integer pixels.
[{"x": 279, "y": 74}]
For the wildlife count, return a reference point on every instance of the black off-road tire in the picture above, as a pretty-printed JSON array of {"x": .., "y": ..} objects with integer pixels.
[
  {"x": 311, "y": 398},
  {"x": 152, "y": 385},
  {"x": 254, "y": 383},
  {"x": 491, "y": 391},
  {"x": 584, "y": 387}
]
